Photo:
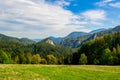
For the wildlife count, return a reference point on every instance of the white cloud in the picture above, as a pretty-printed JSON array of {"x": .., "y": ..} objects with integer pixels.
[
  {"x": 35, "y": 19},
  {"x": 110, "y": 3},
  {"x": 116, "y": 5},
  {"x": 38, "y": 19},
  {"x": 94, "y": 15},
  {"x": 103, "y": 2},
  {"x": 62, "y": 3}
]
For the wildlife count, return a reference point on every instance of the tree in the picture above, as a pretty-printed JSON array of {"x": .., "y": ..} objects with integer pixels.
[
  {"x": 118, "y": 49},
  {"x": 4, "y": 57},
  {"x": 29, "y": 58},
  {"x": 22, "y": 59},
  {"x": 114, "y": 51},
  {"x": 16, "y": 59},
  {"x": 61, "y": 60},
  {"x": 96, "y": 61},
  {"x": 68, "y": 59},
  {"x": 115, "y": 58},
  {"x": 118, "y": 53},
  {"x": 51, "y": 59},
  {"x": 83, "y": 59},
  {"x": 36, "y": 59},
  {"x": 106, "y": 57},
  {"x": 43, "y": 61}
]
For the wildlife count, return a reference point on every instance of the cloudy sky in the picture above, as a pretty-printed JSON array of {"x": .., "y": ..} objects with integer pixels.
[{"x": 42, "y": 18}]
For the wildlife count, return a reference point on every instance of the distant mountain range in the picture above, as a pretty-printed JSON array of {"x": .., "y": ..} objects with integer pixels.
[
  {"x": 71, "y": 35},
  {"x": 13, "y": 39},
  {"x": 80, "y": 39},
  {"x": 72, "y": 40},
  {"x": 37, "y": 40},
  {"x": 97, "y": 30},
  {"x": 76, "y": 34},
  {"x": 56, "y": 40}
]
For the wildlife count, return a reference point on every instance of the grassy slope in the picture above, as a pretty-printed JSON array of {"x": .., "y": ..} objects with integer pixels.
[{"x": 53, "y": 72}]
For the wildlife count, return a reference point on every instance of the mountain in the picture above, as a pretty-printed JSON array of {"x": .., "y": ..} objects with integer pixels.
[
  {"x": 26, "y": 41},
  {"x": 47, "y": 46},
  {"x": 117, "y": 28},
  {"x": 72, "y": 40},
  {"x": 56, "y": 40},
  {"x": 76, "y": 34},
  {"x": 77, "y": 41},
  {"x": 48, "y": 41},
  {"x": 5, "y": 38},
  {"x": 97, "y": 30},
  {"x": 37, "y": 40}
]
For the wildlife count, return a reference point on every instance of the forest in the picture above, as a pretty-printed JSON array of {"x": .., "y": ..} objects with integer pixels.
[{"x": 104, "y": 50}]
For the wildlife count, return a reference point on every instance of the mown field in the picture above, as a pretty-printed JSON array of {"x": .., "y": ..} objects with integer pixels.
[{"x": 58, "y": 72}]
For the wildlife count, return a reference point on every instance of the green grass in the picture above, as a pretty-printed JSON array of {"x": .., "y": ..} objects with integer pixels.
[{"x": 58, "y": 72}]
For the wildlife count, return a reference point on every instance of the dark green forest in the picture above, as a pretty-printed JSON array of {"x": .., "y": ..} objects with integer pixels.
[
  {"x": 104, "y": 50},
  {"x": 37, "y": 53}
]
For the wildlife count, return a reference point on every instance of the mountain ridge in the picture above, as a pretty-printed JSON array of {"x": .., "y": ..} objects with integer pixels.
[
  {"x": 72, "y": 40},
  {"x": 14, "y": 39}
]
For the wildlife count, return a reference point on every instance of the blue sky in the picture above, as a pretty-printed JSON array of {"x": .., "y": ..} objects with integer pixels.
[{"x": 43, "y": 18}]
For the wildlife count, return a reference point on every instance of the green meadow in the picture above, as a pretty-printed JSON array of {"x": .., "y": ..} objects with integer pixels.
[{"x": 58, "y": 72}]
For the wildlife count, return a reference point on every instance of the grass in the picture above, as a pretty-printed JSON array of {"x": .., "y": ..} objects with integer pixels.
[{"x": 58, "y": 72}]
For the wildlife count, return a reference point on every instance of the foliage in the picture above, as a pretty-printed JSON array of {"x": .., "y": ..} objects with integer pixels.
[
  {"x": 51, "y": 59},
  {"x": 19, "y": 53},
  {"x": 43, "y": 61},
  {"x": 103, "y": 50},
  {"x": 83, "y": 59},
  {"x": 4, "y": 57},
  {"x": 29, "y": 58},
  {"x": 36, "y": 59},
  {"x": 106, "y": 57}
]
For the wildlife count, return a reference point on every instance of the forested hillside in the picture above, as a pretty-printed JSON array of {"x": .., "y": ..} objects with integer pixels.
[
  {"x": 80, "y": 39},
  {"x": 103, "y": 50},
  {"x": 42, "y": 52},
  {"x": 24, "y": 41}
]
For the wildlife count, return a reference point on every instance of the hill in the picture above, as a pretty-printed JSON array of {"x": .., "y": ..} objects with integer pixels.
[
  {"x": 25, "y": 41},
  {"x": 47, "y": 46},
  {"x": 104, "y": 50}
]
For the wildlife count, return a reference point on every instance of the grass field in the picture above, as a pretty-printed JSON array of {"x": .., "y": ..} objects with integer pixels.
[{"x": 56, "y": 72}]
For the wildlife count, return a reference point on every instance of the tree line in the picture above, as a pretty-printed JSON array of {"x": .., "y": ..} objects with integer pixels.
[
  {"x": 39, "y": 53},
  {"x": 103, "y": 50}
]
